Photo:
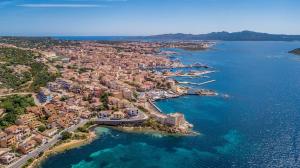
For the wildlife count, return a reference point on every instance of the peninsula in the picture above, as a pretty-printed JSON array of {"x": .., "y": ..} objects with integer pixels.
[{"x": 53, "y": 91}]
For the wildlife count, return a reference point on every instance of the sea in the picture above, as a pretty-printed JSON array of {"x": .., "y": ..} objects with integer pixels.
[{"x": 254, "y": 122}]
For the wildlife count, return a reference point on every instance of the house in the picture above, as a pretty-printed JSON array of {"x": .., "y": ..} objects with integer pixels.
[
  {"x": 7, "y": 140},
  {"x": 175, "y": 119},
  {"x": 26, "y": 132},
  {"x": 86, "y": 115},
  {"x": 27, "y": 146},
  {"x": 50, "y": 109},
  {"x": 65, "y": 84},
  {"x": 53, "y": 86},
  {"x": 104, "y": 114},
  {"x": 26, "y": 119},
  {"x": 44, "y": 95},
  {"x": 118, "y": 115},
  {"x": 37, "y": 110},
  {"x": 15, "y": 131},
  {"x": 127, "y": 94},
  {"x": 51, "y": 132},
  {"x": 35, "y": 124},
  {"x": 40, "y": 139},
  {"x": 7, "y": 158},
  {"x": 132, "y": 112}
]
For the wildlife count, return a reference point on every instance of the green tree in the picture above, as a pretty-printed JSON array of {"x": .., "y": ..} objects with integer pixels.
[
  {"x": 66, "y": 135},
  {"x": 41, "y": 128}
]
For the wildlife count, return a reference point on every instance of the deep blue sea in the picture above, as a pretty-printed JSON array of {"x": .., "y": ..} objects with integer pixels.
[{"x": 257, "y": 126}]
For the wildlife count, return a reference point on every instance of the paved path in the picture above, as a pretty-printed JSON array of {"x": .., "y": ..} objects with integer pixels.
[
  {"x": 36, "y": 101},
  {"x": 18, "y": 93}
]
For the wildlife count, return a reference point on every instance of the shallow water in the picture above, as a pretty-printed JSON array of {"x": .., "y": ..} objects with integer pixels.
[{"x": 257, "y": 126}]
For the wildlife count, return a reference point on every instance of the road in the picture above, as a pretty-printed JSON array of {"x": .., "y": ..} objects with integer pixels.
[
  {"x": 20, "y": 93},
  {"x": 35, "y": 153},
  {"x": 36, "y": 101}
]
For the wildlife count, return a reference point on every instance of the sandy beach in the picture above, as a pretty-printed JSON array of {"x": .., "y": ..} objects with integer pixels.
[{"x": 63, "y": 146}]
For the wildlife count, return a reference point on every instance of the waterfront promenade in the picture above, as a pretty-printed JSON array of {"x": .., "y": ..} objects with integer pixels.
[{"x": 110, "y": 122}]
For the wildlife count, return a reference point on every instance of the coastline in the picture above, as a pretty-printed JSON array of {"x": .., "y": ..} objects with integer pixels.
[
  {"x": 153, "y": 125},
  {"x": 63, "y": 146},
  {"x": 149, "y": 130}
]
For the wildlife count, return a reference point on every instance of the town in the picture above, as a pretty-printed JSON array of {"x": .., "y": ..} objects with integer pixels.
[{"x": 99, "y": 83}]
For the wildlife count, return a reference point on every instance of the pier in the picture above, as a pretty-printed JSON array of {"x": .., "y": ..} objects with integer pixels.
[{"x": 198, "y": 84}]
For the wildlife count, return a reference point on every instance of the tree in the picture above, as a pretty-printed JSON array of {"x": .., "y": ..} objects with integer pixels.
[
  {"x": 41, "y": 128},
  {"x": 66, "y": 135}
]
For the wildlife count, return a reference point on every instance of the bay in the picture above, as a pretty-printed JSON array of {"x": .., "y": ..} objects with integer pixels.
[{"x": 257, "y": 126}]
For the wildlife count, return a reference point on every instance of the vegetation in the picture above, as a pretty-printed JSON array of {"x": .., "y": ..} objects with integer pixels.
[
  {"x": 85, "y": 128},
  {"x": 83, "y": 70},
  {"x": 29, "y": 161},
  {"x": 35, "y": 71},
  {"x": 14, "y": 106},
  {"x": 34, "y": 42},
  {"x": 104, "y": 100},
  {"x": 64, "y": 98},
  {"x": 66, "y": 135},
  {"x": 82, "y": 129},
  {"x": 155, "y": 125},
  {"x": 41, "y": 128},
  {"x": 143, "y": 109}
]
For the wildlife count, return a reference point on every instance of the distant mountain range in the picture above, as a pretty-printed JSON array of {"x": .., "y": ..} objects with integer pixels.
[{"x": 226, "y": 36}]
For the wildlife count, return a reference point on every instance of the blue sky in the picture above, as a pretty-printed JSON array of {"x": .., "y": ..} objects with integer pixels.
[{"x": 146, "y": 17}]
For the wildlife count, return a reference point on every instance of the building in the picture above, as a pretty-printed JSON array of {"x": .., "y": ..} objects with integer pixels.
[
  {"x": 27, "y": 146},
  {"x": 104, "y": 114},
  {"x": 7, "y": 140},
  {"x": 132, "y": 112},
  {"x": 127, "y": 94},
  {"x": 53, "y": 86},
  {"x": 19, "y": 132},
  {"x": 35, "y": 124},
  {"x": 40, "y": 139},
  {"x": 51, "y": 132},
  {"x": 44, "y": 96},
  {"x": 7, "y": 158},
  {"x": 65, "y": 84},
  {"x": 118, "y": 115},
  {"x": 86, "y": 115},
  {"x": 175, "y": 119},
  {"x": 37, "y": 110},
  {"x": 26, "y": 119}
]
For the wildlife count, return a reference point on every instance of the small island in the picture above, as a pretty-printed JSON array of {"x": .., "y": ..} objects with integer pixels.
[{"x": 295, "y": 51}]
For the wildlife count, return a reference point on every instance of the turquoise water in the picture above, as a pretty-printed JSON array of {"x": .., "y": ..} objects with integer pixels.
[{"x": 257, "y": 126}]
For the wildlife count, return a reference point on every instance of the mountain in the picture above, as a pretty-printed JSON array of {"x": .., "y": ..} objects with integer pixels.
[{"x": 226, "y": 36}]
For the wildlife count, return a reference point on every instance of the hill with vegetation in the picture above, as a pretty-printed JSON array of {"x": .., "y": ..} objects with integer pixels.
[
  {"x": 13, "y": 106},
  {"x": 21, "y": 70},
  {"x": 226, "y": 36}
]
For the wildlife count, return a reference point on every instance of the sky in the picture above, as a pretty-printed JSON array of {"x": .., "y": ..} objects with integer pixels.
[{"x": 146, "y": 17}]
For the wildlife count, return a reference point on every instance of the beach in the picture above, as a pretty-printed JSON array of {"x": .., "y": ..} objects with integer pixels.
[{"x": 63, "y": 146}]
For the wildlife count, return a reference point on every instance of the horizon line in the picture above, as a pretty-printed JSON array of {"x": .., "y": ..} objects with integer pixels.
[{"x": 69, "y": 35}]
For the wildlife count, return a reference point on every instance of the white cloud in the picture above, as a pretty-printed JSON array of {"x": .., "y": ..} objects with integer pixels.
[{"x": 62, "y": 6}]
